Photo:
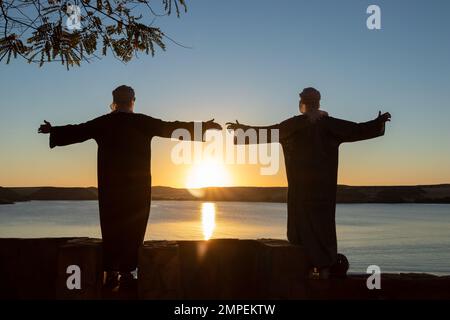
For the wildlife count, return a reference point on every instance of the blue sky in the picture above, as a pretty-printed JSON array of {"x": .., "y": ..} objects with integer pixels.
[{"x": 249, "y": 60}]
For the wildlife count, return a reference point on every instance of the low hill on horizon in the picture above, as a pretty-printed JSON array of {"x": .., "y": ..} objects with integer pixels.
[
  {"x": 8, "y": 196},
  {"x": 345, "y": 194}
]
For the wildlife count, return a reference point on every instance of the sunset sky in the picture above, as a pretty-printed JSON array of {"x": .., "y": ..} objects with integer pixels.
[{"x": 248, "y": 61}]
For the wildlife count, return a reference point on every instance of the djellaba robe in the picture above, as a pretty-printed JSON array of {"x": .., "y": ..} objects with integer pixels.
[
  {"x": 311, "y": 153},
  {"x": 124, "y": 179}
]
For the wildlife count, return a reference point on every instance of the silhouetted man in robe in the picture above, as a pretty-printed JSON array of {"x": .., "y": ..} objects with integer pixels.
[
  {"x": 123, "y": 170},
  {"x": 311, "y": 144}
]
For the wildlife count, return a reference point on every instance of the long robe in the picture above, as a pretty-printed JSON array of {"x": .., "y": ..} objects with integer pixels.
[
  {"x": 124, "y": 179},
  {"x": 311, "y": 153}
]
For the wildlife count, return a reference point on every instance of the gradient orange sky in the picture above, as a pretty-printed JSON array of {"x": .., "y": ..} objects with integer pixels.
[
  {"x": 364, "y": 163},
  {"x": 249, "y": 62}
]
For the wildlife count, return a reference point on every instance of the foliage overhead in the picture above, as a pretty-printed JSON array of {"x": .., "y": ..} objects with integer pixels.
[{"x": 38, "y": 30}]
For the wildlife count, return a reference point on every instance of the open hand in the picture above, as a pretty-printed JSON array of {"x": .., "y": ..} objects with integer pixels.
[
  {"x": 45, "y": 128},
  {"x": 235, "y": 125},
  {"x": 384, "y": 117},
  {"x": 211, "y": 125}
]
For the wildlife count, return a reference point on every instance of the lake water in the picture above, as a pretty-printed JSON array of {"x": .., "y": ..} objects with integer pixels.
[{"x": 396, "y": 237}]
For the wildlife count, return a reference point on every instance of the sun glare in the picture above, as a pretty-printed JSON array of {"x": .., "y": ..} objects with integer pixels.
[{"x": 208, "y": 173}]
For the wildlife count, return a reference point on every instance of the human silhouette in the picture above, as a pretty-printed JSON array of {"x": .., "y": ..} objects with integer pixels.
[
  {"x": 123, "y": 171},
  {"x": 310, "y": 145}
]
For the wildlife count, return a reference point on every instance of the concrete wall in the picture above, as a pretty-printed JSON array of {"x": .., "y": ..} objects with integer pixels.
[{"x": 214, "y": 269}]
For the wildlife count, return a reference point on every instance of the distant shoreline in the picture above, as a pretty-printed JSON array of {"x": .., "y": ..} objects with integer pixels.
[
  {"x": 432, "y": 194},
  {"x": 215, "y": 200}
]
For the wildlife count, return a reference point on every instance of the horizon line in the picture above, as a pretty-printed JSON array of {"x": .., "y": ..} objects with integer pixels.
[{"x": 239, "y": 186}]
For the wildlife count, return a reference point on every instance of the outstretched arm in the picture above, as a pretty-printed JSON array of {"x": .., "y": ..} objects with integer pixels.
[
  {"x": 347, "y": 131},
  {"x": 236, "y": 126},
  {"x": 167, "y": 129},
  {"x": 69, "y": 134},
  {"x": 245, "y": 134}
]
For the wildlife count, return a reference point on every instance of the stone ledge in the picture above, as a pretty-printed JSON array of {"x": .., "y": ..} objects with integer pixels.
[
  {"x": 221, "y": 269},
  {"x": 214, "y": 269}
]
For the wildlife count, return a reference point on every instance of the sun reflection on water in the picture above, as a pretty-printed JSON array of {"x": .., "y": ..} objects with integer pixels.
[{"x": 208, "y": 219}]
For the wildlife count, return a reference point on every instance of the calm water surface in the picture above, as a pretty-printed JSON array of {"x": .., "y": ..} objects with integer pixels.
[{"x": 396, "y": 237}]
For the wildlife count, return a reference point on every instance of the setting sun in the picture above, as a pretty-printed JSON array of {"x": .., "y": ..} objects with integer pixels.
[{"x": 208, "y": 173}]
